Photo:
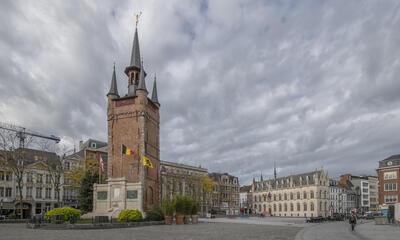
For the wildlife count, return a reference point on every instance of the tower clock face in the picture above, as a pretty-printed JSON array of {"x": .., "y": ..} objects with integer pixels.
[{"x": 389, "y": 163}]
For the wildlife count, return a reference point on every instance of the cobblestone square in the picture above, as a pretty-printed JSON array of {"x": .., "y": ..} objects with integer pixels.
[{"x": 218, "y": 231}]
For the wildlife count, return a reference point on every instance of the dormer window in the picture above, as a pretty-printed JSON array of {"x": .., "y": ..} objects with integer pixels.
[{"x": 93, "y": 145}]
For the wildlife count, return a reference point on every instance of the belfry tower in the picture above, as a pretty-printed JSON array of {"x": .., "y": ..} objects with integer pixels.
[{"x": 133, "y": 141}]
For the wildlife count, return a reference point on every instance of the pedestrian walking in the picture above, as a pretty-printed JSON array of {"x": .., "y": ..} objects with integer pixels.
[{"x": 353, "y": 220}]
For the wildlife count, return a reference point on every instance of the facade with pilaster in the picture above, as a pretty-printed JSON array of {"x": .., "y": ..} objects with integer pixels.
[{"x": 302, "y": 195}]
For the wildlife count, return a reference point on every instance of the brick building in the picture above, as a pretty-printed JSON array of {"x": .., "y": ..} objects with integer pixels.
[
  {"x": 133, "y": 124},
  {"x": 389, "y": 180},
  {"x": 225, "y": 196}
]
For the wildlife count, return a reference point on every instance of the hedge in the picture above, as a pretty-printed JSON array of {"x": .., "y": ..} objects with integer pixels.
[
  {"x": 130, "y": 215},
  {"x": 68, "y": 213}
]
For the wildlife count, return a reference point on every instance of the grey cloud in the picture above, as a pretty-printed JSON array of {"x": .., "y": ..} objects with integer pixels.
[{"x": 241, "y": 84}]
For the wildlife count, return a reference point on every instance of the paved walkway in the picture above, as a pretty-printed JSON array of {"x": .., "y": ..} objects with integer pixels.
[
  {"x": 341, "y": 230},
  {"x": 273, "y": 221},
  {"x": 371, "y": 231},
  {"x": 212, "y": 231}
]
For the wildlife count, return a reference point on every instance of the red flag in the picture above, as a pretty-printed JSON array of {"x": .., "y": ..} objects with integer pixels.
[{"x": 101, "y": 164}]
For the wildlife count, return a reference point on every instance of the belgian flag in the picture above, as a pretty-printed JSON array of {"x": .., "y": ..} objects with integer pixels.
[{"x": 126, "y": 151}]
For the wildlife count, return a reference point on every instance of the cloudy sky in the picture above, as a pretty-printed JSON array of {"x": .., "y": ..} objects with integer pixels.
[{"x": 242, "y": 84}]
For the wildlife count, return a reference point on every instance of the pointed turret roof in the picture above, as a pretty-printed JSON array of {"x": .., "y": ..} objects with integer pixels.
[
  {"x": 142, "y": 80},
  {"x": 135, "y": 56},
  {"x": 154, "y": 96},
  {"x": 113, "y": 88}
]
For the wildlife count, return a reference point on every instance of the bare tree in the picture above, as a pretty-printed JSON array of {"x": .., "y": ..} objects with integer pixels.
[
  {"x": 55, "y": 166},
  {"x": 12, "y": 158}
]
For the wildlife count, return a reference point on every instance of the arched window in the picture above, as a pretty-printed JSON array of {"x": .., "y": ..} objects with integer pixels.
[
  {"x": 291, "y": 196},
  {"x": 311, "y": 194},
  {"x": 280, "y": 197},
  {"x": 274, "y": 207},
  {"x": 291, "y": 207},
  {"x": 255, "y": 206},
  {"x": 255, "y": 198},
  {"x": 265, "y": 198},
  {"x": 320, "y": 194},
  {"x": 320, "y": 206},
  {"x": 280, "y": 207},
  {"x": 305, "y": 195},
  {"x": 298, "y": 207},
  {"x": 265, "y": 208},
  {"x": 298, "y": 195},
  {"x": 324, "y": 194},
  {"x": 285, "y": 196},
  {"x": 259, "y": 198},
  {"x": 325, "y": 207},
  {"x": 305, "y": 206},
  {"x": 312, "y": 206},
  {"x": 259, "y": 208},
  {"x": 285, "y": 207}
]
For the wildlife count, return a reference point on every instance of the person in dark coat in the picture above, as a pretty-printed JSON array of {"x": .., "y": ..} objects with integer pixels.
[{"x": 353, "y": 220}]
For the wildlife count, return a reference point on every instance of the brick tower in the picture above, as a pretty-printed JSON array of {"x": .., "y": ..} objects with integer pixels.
[{"x": 133, "y": 124}]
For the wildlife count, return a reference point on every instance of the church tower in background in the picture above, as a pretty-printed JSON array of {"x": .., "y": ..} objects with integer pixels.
[{"x": 133, "y": 143}]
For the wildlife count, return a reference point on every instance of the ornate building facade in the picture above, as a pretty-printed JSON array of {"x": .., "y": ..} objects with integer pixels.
[
  {"x": 133, "y": 124},
  {"x": 225, "y": 196},
  {"x": 182, "y": 179},
  {"x": 302, "y": 195}
]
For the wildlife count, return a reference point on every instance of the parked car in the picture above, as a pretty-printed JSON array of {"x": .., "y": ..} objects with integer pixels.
[{"x": 2, "y": 217}]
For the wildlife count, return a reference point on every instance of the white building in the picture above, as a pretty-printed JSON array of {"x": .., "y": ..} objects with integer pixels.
[
  {"x": 38, "y": 190},
  {"x": 302, "y": 195},
  {"x": 342, "y": 198}
]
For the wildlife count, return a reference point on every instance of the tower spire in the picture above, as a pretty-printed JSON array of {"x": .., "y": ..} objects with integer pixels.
[
  {"x": 274, "y": 171},
  {"x": 113, "y": 88},
  {"x": 261, "y": 177},
  {"x": 135, "y": 56},
  {"x": 142, "y": 79},
  {"x": 154, "y": 96}
]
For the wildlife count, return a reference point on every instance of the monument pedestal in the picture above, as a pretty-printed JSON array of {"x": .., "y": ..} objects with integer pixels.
[{"x": 117, "y": 194}]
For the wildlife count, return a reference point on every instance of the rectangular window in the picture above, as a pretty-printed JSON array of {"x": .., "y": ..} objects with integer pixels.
[
  {"x": 39, "y": 178},
  {"x": 29, "y": 192},
  {"x": 29, "y": 177},
  {"x": 8, "y": 176},
  {"x": 1, "y": 191},
  {"x": 38, "y": 192},
  {"x": 390, "y": 186},
  {"x": 8, "y": 192},
  {"x": 1, "y": 176},
  {"x": 48, "y": 179},
  {"x": 390, "y": 198},
  {"x": 390, "y": 175},
  {"x": 48, "y": 193}
]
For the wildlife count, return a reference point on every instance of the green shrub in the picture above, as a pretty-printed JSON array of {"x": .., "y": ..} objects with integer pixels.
[
  {"x": 68, "y": 213},
  {"x": 154, "y": 215},
  {"x": 179, "y": 204},
  {"x": 130, "y": 215},
  {"x": 168, "y": 207},
  {"x": 188, "y": 205},
  {"x": 195, "y": 208}
]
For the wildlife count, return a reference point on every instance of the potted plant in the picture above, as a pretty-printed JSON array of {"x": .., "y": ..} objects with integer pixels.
[
  {"x": 195, "y": 210},
  {"x": 179, "y": 204},
  {"x": 188, "y": 209},
  {"x": 168, "y": 210}
]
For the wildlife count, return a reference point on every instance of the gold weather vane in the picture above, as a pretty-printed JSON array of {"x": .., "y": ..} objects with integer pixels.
[{"x": 137, "y": 17}]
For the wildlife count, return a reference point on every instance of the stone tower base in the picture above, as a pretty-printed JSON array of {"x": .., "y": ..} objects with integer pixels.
[{"x": 109, "y": 199}]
